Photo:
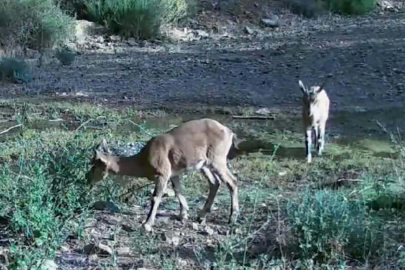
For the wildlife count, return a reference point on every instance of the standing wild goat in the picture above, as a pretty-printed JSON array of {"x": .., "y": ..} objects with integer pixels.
[
  {"x": 315, "y": 113},
  {"x": 199, "y": 144}
]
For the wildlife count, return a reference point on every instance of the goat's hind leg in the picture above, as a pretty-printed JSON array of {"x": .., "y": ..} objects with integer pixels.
[
  {"x": 227, "y": 177},
  {"x": 179, "y": 194},
  {"x": 213, "y": 182}
]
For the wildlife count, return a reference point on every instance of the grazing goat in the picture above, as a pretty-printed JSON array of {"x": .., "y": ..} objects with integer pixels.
[
  {"x": 199, "y": 144},
  {"x": 315, "y": 113}
]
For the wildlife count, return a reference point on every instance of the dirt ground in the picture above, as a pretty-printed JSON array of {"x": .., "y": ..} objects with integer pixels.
[{"x": 363, "y": 59}]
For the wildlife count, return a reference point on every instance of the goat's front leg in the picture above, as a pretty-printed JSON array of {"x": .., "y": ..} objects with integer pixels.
[
  {"x": 321, "y": 141},
  {"x": 179, "y": 194},
  {"x": 308, "y": 142},
  {"x": 160, "y": 188}
]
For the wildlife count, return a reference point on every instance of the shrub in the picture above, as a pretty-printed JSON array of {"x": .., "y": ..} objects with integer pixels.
[
  {"x": 40, "y": 193},
  {"x": 137, "y": 18},
  {"x": 35, "y": 24},
  {"x": 312, "y": 8},
  {"x": 15, "y": 70},
  {"x": 328, "y": 227},
  {"x": 134, "y": 18},
  {"x": 65, "y": 55}
]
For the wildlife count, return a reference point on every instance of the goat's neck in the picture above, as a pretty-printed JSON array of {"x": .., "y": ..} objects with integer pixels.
[{"x": 130, "y": 166}]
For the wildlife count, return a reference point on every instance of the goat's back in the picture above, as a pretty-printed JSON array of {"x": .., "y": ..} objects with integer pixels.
[{"x": 190, "y": 143}]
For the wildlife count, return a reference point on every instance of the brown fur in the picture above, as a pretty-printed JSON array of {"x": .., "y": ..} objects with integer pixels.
[{"x": 201, "y": 144}]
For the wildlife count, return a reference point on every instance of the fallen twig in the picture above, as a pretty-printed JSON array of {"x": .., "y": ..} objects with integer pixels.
[
  {"x": 10, "y": 128},
  {"x": 56, "y": 120},
  {"x": 350, "y": 180},
  {"x": 254, "y": 117},
  {"x": 135, "y": 189}
]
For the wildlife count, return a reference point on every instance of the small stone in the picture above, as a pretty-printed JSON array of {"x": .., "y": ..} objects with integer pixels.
[
  {"x": 181, "y": 262},
  {"x": 273, "y": 21},
  {"x": 208, "y": 230},
  {"x": 202, "y": 33},
  {"x": 248, "y": 30},
  {"x": 132, "y": 42},
  {"x": 49, "y": 265},
  {"x": 263, "y": 111},
  {"x": 195, "y": 226},
  {"x": 115, "y": 38},
  {"x": 105, "y": 205},
  {"x": 104, "y": 249},
  {"x": 64, "y": 248},
  {"x": 175, "y": 241},
  {"x": 122, "y": 251},
  {"x": 170, "y": 192},
  {"x": 282, "y": 173}
]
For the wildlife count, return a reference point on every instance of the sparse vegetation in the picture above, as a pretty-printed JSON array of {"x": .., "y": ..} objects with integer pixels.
[{"x": 45, "y": 200}]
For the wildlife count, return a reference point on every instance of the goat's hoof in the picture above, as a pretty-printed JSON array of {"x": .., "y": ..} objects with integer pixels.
[
  {"x": 201, "y": 220},
  {"x": 182, "y": 217},
  {"x": 147, "y": 227}
]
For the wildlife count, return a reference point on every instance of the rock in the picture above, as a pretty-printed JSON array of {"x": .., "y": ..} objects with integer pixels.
[
  {"x": 202, "y": 33},
  {"x": 49, "y": 265},
  {"x": 208, "y": 230},
  {"x": 273, "y": 21},
  {"x": 171, "y": 238},
  {"x": 84, "y": 29},
  {"x": 105, "y": 249},
  {"x": 115, "y": 38},
  {"x": 104, "y": 205},
  {"x": 132, "y": 42},
  {"x": 97, "y": 249},
  {"x": 248, "y": 30},
  {"x": 64, "y": 248},
  {"x": 195, "y": 226},
  {"x": 282, "y": 173},
  {"x": 263, "y": 111},
  {"x": 122, "y": 251}
]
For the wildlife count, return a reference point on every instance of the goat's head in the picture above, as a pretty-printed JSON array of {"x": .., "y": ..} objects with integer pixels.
[
  {"x": 311, "y": 93},
  {"x": 103, "y": 161}
]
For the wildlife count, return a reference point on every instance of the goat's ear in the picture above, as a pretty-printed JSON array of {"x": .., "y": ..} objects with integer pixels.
[
  {"x": 102, "y": 147},
  {"x": 302, "y": 86},
  {"x": 321, "y": 87},
  {"x": 101, "y": 156}
]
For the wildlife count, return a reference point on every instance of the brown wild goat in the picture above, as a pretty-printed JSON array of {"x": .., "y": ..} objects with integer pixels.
[
  {"x": 315, "y": 113},
  {"x": 199, "y": 144}
]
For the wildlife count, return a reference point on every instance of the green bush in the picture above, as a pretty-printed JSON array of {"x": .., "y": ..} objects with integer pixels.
[
  {"x": 34, "y": 24},
  {"x": 328, "y": 227},
  {"x": 311, "y": 8},
  {"x": 41, "y": 192},
  {"x": 14, "y": 70}
]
